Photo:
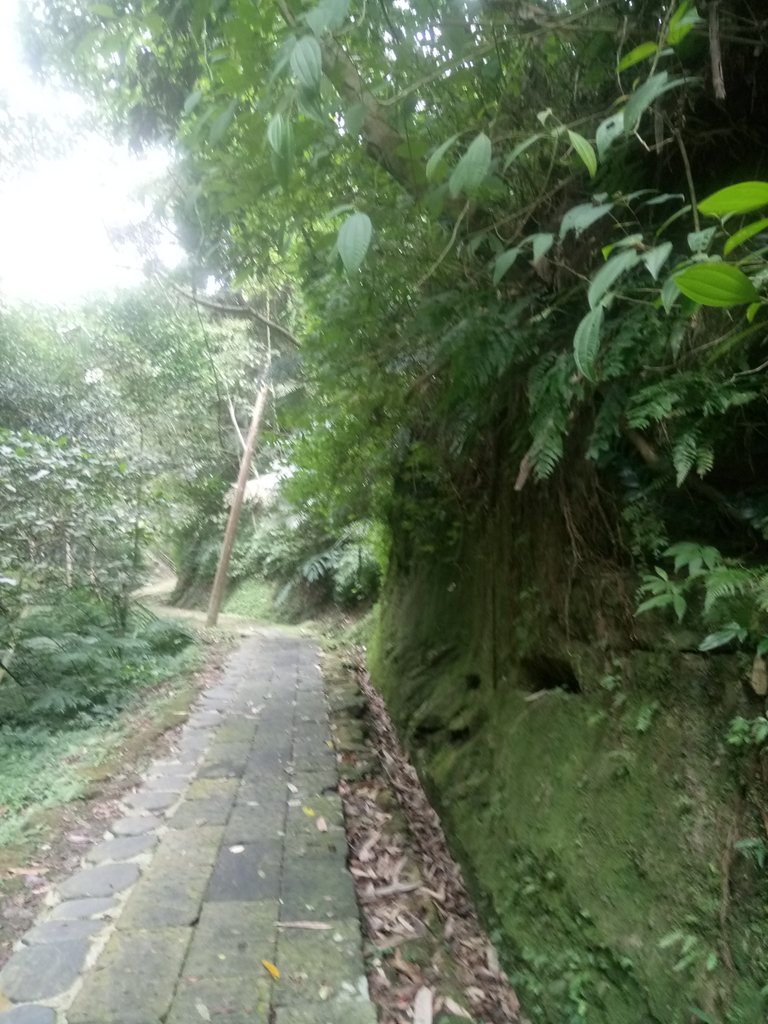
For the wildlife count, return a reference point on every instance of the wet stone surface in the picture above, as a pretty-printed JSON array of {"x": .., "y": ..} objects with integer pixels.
[{"x": 216, "y": 866}]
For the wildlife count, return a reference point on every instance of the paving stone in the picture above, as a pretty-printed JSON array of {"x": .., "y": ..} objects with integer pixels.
[
  {"x": 169, "y": 782},
  {"x": 73, "y": 910},
  {"x": 101, "y": 881},
  {"x": 224, "y": 760},
  {"x": 231, "y": 938},
  {"x": 61, "y": 931},
  {"x": 313, "y": 960},
  {"x": 134, "y": 979},
  {"x": 40, "y": 972},
  {"x": 226, "y": 1000},
  {"x": 207, "y": 802},
  {"x": 203, "y": 720},
  {"x": 319, "y": 886},
  {"x": 237, "y": 730},
  {"x": 327, "y": 806},
  {"x": 123, "y": 848},
  {"x": 171, "y": 891},
  {"x": 29, "y": 1015},
  {"x": 313, "y": 784},
  {"x": 136, "y": 825},
  {"x": 251, "y": 874},
  {"x": 332, "y": 1012},
  {"x": 255, "y": 822},
  {"x": 151, "y": 799}
]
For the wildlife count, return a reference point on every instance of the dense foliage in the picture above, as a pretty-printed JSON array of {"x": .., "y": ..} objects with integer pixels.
[{"x": 527, "y": 252}]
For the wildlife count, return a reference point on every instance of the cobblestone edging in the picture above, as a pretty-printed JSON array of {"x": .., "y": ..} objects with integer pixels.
[{"x": 231, "y": 853}]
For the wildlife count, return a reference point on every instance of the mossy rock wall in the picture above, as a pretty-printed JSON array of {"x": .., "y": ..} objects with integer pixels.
[{"x": 582, "y": 777}]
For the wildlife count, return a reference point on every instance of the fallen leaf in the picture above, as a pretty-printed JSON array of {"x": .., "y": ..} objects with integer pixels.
[
  {"x": 322, "y": 825},
  {"x": 203, "y": 1010},
  {"x": 422, "y": 1006},
  {"x": 456, "y": 1008},
  {"x": 270, "y": 968},
  {"x": 492, "y": 959},
  {"x": 292, "y": 788},
  {"x": 236, "y": 849},
  {"x": 27, "y": 871},
  {"x": 324, "y": 992},
  {"x": 309, "y": 812}
]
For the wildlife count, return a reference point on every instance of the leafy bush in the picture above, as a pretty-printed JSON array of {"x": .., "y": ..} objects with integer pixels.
[{"x": 69, "y": 662}]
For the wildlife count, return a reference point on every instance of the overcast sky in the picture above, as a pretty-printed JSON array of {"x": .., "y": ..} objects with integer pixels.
[{"x": 54, "y": 218}]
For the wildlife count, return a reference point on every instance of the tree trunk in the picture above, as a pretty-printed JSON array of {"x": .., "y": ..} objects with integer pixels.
[{"x": 222, "y": 569}]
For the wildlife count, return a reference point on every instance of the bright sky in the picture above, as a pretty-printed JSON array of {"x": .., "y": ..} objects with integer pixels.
[{"x": 54, "y": 217}]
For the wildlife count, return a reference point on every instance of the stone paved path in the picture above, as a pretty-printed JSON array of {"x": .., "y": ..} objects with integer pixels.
[{"x": 230, "y": 849}]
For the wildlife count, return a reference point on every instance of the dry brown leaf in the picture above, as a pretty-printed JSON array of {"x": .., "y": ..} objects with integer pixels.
[
  {"x": 456, "y": 1008},
  {"x": 27, "y": 871},
  {"x": 366, "y": 850},
  {"x": 322, "y": 825},
  {"x": 422, "y": 1006}
]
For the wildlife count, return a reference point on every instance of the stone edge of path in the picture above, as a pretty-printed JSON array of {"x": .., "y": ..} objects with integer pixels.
[{"x": 44, "y": 972}]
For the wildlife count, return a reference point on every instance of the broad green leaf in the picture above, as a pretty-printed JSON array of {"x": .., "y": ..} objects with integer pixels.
[
  {"x": 744, "y": 234},
  {"x": 434, "y": 161},
  {"x": 276, "y": 133},
  {"x": 753, "y": 309},
  {"x": 670, "y": 293},
  {"x": 503, "y": 262},
  {"x": 471, "y": 170},
  {"x": 716, "y": 284},
  {"x": 222, "y": 122},
  {"x": 192, "y": 101},
  {"x": 607, "y": 131},
  {"x": 698, "y": 241},
  {"x": 353, "y": 240},
  {"x": 623, "y": 243},
  {"x": 665, "y": 197},
  {"x": 645, "y": 95},
  {"x": 685, "y": 18},
  {"x": 327, "y": 16},
  {"x": 521, "y": 147},
  {"x": 579, "y": 218},
  {"x": 641, "y": 52},
  {"x": 307, "y": 62},
  {"x": 609, "y": 273},
  {"x": 585, "y": 151},
  {"x": 655, "y": 258},
  {"x": 741, "y": 198},
  {"x": 586, "y": 342},
  {"x": 542, "y": 243}
]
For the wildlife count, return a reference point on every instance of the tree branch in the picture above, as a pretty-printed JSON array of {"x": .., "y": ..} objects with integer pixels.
[{"x": 230, "y": 309}]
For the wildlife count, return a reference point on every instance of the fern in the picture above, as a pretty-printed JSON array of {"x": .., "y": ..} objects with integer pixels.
[
  {"x": 726, "y": 581},
  {"x": 684, "y": 454}
]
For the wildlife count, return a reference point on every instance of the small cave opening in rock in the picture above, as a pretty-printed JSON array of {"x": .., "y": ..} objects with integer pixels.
[{"x": 546, "y": 672}]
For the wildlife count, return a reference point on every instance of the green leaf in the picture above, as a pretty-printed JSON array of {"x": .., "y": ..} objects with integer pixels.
[
  {"x": 645, "y": 95},
  {"x": 716, "y": 284},
  {"x": 744, "y": 234},
  {"x": 752, "y": 310},
  {"x": 192, "y": 101},
  {"x": 586, "y": 342},
  {"x": 585, "y": 151},
  {"x": 641, "y": 52},
  {"x": 503, "y": 262},
  {"x": 521, "y": 148},
  {"x": 610, "y": 272},
  {"x": 733, "y": 631},
  {"x": 579, "y": 218},
  {"x": 434, "y": 161},
  {"x": 655, "y": 258},
  {"x": 741, "y": 198},
  {"x": 698, "y": 241},
  {"x": 353, "y": 240},
  {"x": 327, "y": 16},
  {"x": 102, "y": 10},
  {"x": 542, "y": 243},
  {"x": 307, "y": 62},
  {"x": 222, "y": 122},
  {"x": 607, "y": 131},
  {"x": 685, "y": 18},
  {"x": 670, "y": 293},
  {"x": 276, "y": 133},
  {"x": 471, "y": 170}
]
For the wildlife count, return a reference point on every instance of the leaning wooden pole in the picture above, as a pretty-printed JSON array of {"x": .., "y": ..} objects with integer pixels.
[{"x": 222, "y": 569}]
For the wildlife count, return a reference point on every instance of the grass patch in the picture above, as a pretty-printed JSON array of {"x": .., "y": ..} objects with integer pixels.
[
  {"x": 253, "y": 599},
  {"x": 43, "y": 768}
]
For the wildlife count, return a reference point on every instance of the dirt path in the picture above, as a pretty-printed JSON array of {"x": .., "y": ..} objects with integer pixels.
[{"x": 221, "y": 893}]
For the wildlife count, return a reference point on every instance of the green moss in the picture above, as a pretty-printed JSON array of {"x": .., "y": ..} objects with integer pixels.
[{"x": 591, "y": 825}]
